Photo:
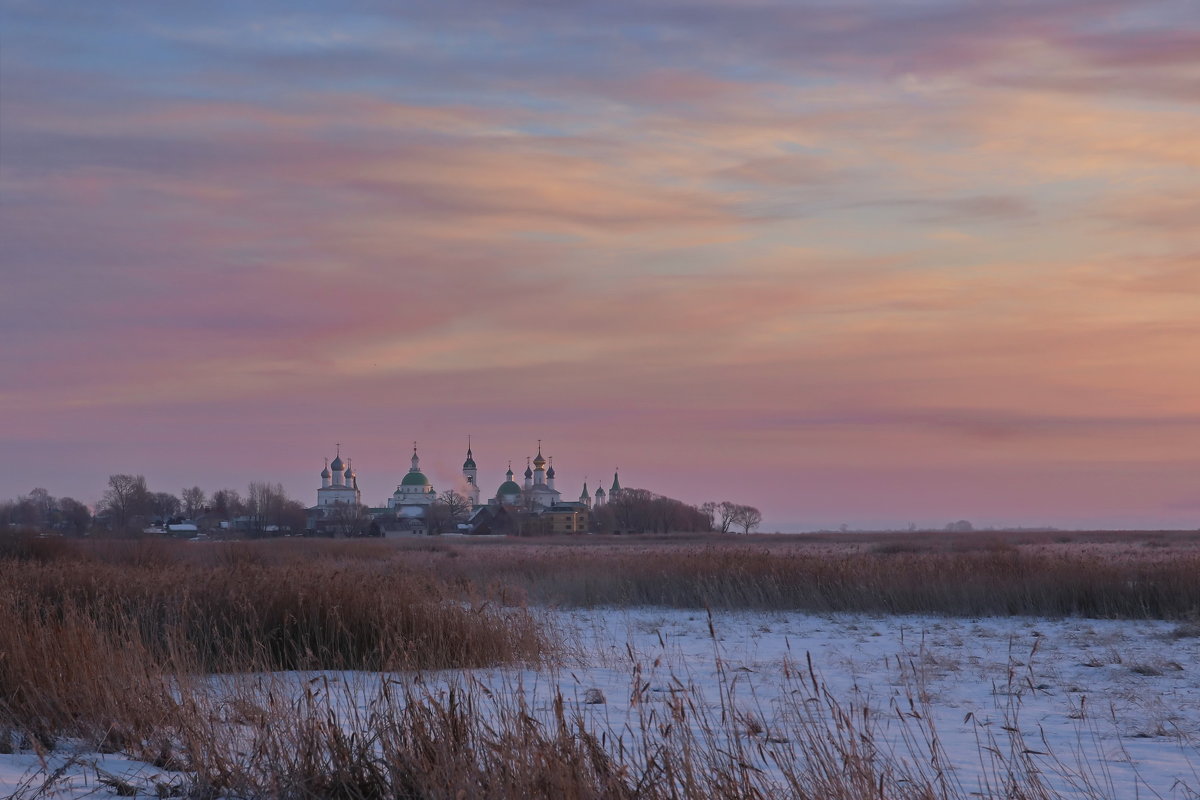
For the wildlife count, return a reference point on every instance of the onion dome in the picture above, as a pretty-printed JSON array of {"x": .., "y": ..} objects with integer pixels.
[
  {"x": 338, "y": 465},
  {"x": 600, "y": 491},
  {"x": 325, "y": 472},
  {"x": 509, "y": 486},
  {"x": 528, "y": 472},
  {"x": 550, "y": 472},
  {"x": 539, "y": 462},
  {"x": 415, "y": 479},
  {"x": 470, "y": 462}
]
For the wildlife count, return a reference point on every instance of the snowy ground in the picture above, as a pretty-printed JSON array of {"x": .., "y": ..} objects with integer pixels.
[
  {"x": 1123, "y": 696},
  {"x": 1116, "y": 703}
]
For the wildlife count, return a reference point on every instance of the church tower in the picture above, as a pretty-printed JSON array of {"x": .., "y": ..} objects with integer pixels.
[
  {"x": 339, "y": 468},
  {"x": 470, "y": 476},
  {"x": 509, "y": 493},
  {"x": 339, "y": 483},
  {"x": 539, "y": 467},
  {"x": 414, "y": 489}
]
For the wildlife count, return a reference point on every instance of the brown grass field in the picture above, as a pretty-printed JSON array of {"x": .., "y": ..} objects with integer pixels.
[
  {"x": 1105, "y": 574},
  {"x": 112, "y": 642}
]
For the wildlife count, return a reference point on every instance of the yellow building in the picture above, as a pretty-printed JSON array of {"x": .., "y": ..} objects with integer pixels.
[{"x": 566, "y": 518}]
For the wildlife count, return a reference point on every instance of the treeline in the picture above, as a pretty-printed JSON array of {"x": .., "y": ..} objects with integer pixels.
[
  {"x": 128, "y": 505},
  {"x": 39, "y": 510},
  {"x": 725, "y": 516},
  {"x": 643, "y": 511}
]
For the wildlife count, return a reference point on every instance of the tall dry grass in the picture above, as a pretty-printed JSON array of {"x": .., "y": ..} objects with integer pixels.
[
  {"x": 298, "y": 737},
  {"x": 96, "y": 639},
  {"x": 932, "y": 575},
  {"x": 116, "y": 642}
]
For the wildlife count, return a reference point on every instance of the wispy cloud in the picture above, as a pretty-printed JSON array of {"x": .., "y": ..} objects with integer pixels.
[{"x": 702, "y": 238}]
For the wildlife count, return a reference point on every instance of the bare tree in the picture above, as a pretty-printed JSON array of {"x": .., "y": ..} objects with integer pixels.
[
  {"x": 293, "y": 516},
  {"x": 125, "y": 498},
  {"x": 193, "y": 501},
  {"x": 631, "y": 510},
  {"x": 165, "y": 505},
  {"x": 447, "y": 511},
  {"x": 74, "y": 515},
  {"x": 37, "y": 509},
  {"x": 347, "y": 519},
  {"x": 265, "y": 505},
  {"x": 727, "y": 511},
  {"x": 227, "y": 503},
  {"x": 746, "y": 517},
  {"x": 44, "y": 506},
  {"x": 458, "y": 506}
]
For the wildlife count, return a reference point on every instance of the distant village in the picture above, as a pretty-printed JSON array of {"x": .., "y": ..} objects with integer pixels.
[
  {"x": 416, "y": 507},
  {"x": 531, "y": 507},
  {"x": 529, "y": 504}
]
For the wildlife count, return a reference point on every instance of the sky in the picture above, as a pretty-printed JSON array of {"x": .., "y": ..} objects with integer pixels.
[{"x": 860, "y": 263}]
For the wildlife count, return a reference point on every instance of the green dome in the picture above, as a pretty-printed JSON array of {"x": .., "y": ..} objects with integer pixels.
[
  {"x": 508, "y": 487},
  {"x": 469, "y": 463},
  {"x": 415, "y": 479}
]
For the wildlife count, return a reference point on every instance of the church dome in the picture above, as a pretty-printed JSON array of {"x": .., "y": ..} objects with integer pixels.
[
  {"x": 508, "y": 487},
  {"x": 470, "y": 462},
  {"x": 338, "y": 465},
  {"x": 415, "y": 479},
  {"x": 550, "y": 472},
  {"x": 528, "y": 472},
  {"x": 325, "y": 472}
]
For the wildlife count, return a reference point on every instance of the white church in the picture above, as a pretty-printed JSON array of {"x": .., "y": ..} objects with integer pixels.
[
  {"x": 407, "y": 506},
  {"x": 339, "y": 487}
]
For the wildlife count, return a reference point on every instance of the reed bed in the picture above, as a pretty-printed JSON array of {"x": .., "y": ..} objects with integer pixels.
[
  {"x": 302, "y": 737},
  {"x": 1137, "y": 578},
  {"x": 470, "y": 741},
  {"x": 99, "y": 639},
  {"x": 116, "y": 643}
]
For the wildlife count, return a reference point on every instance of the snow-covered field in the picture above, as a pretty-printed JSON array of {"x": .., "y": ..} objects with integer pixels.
[
  {"x": 1103, "y": 708},
  {"x": 1121, "y": 696}
]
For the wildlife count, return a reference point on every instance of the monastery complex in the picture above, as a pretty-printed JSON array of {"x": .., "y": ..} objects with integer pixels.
[{"x": 410, "y": 507}]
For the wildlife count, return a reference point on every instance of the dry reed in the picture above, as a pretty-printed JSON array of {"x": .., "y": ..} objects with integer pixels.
[
  {"x": 950, "y": 576},
  {"x": 95, "y": 640},
  {"x": 115, "y": 642}
]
